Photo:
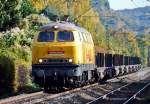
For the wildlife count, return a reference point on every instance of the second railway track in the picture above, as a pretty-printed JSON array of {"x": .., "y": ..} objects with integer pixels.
[{"x": 123, "y": 95}]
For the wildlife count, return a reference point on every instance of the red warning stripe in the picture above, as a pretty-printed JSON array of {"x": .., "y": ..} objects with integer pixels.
[{"x": 55, "y": 52}]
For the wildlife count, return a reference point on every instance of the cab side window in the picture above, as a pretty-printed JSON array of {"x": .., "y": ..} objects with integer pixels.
[{"x": 80, "y": 37}]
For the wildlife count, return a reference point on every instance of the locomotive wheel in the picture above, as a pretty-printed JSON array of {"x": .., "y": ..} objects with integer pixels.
[
  {"x": 84, "y": 79},
  {"x": 103, "y": 81}
]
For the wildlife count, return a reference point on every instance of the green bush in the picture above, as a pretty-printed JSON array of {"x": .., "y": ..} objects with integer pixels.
[
  {"x": 7, "y": 75},
  {"x": 14, "y": 70}
]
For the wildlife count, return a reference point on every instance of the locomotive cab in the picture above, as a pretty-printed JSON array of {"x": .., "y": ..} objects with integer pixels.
[{"x": 54, "y": 47}]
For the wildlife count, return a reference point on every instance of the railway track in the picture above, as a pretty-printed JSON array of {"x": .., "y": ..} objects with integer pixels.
[
  {"x": 82, "y": 95},
  {"x": 141, "y": 97},
  {"x": 132, "y": 98},
  {"x": 123, "y": 95},
  {"x": 39, "y": 96}
]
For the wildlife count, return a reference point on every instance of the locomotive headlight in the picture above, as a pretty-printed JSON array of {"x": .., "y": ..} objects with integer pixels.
[
  {"x": 70, "y": 60},
  {"x": 40, "y": 60},
  {"x": 56, "y": 27}
]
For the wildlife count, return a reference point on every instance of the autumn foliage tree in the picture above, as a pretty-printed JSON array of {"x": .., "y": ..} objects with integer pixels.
[{"x": 144, "y": 43}]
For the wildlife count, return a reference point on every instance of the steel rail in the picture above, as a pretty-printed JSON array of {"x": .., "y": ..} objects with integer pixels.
[
  {"x": 134, "y": 96},
  {"x": 105, "y": 95},
  {"x": 19, "y": 97}
]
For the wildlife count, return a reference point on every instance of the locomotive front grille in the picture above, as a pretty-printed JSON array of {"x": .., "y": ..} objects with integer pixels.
[
  {"x": 52, "y": 61},
  {"x": 57, "y": 60}
]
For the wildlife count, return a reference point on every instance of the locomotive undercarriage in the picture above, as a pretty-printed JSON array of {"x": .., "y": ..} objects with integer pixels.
[{"x": 63, "y": 76}]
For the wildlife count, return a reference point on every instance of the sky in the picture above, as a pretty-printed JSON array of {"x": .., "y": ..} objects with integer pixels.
[{"x": 127, "y": 4}]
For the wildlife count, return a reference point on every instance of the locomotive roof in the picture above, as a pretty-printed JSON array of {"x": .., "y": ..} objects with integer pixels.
[{"x": 62, "y": 26}]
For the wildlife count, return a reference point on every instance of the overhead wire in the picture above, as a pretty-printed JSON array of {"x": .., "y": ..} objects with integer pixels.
[{"x": 134, "y": 4}]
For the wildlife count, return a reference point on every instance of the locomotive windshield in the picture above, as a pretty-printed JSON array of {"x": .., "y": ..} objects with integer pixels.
[
  {"x": 46, "y": 36},
  {"x": 65, "y": 36}
]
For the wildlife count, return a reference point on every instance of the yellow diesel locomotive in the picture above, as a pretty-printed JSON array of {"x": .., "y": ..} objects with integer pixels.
[{"x": 62, "y": 55}]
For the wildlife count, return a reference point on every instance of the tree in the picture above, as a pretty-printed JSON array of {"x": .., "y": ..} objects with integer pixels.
[
  {"x": 26, "y": 8},
  {"x": 12, "y": 11},
  {"x": 9, "y": 13}
]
